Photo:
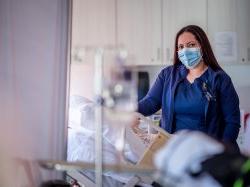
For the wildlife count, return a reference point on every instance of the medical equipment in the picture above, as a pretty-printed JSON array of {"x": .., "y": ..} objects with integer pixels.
[
  {"x": 139, "y": 146},
  {"x": 111, "y": 115}
]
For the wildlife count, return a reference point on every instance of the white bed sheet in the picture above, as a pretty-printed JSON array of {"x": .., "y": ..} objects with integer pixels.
[
  {"x": 81, "y": 147},
  {"x": 81, "y": 139}
]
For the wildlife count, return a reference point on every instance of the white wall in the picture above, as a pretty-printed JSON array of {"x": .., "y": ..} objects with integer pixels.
[
  {"x": 82, "y": 79},
  {"x": 33, "y": 69}
]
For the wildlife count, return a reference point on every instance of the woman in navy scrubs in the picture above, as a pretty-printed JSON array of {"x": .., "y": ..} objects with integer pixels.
[{"x": 194, "y": 93}]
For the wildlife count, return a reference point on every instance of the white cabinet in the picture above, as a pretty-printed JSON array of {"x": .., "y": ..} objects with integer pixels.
[
  {"x": 147, "y": 28},
  {"x": 221, "y": 16},
  {"x": 228, "y": 30},
  {"x": 93, "y": 25},
  {"x": 243, "y": 30},
  {"x": 222, "y": 27},
  {"x": 139, "y": 30},
  {"x": 177, "y": 14}
]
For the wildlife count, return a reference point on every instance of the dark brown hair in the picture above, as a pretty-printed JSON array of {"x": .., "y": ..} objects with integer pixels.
[{"x": 207, "y": 52}]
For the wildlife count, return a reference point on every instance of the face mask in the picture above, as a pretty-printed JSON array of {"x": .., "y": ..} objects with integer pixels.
[{"x": 190, "y": 57}]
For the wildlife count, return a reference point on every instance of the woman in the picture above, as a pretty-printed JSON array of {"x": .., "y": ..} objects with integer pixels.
[{"x": 194, "y": 93}]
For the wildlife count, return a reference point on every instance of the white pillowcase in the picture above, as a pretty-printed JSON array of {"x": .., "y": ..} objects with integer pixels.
[{"x": 81, "y": 112}]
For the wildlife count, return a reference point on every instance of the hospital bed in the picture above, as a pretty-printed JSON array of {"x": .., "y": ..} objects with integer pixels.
[{"x": 139, "y": 146}]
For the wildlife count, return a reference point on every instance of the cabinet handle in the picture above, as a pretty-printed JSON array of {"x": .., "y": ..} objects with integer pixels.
[
  {"x": 248, "y": 54},
  {"x": 78, "y": 54},
  {"x": 158, "y": 54}
]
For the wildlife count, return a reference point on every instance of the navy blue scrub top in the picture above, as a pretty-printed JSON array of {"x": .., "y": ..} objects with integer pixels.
[{"x": 189, "y": 106}]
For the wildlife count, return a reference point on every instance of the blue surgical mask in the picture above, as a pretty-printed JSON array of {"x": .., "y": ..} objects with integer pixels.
[{"x": 190, "y": 57}]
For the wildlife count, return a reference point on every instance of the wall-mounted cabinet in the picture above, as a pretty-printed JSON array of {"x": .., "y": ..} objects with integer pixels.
[
  {"x": 147, "y": 28},
  {"x": 228, "y": 30},
  {"x": 139, "y": 30},
  {"x": 177, "y": 14},
  {"x": 93, "y": 25},
  {"x": 243, "y": 29},
  {"x": 222, "y": 29}
]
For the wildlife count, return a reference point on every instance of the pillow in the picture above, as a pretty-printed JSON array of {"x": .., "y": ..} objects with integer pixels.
[{"x": 81, "y": 112}]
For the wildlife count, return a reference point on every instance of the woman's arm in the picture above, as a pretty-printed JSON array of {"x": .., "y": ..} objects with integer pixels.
[
  {"x": 151, "y": 103},
  {"x": 229, "y": 103}
]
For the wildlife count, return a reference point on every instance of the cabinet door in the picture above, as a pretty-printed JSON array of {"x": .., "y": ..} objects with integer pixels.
[
  {"x": 139, "y": 30},
  {"x": 177, "y": 14},
  {"x": 93, "y": 25},
  {"x": 243, "y": 30},
  {"x": 228, "y": 30},
  {"x": 222, "y": 29}
]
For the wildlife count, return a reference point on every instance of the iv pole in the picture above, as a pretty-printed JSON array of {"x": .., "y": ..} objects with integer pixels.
[{"x": 98, "y": 115}]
